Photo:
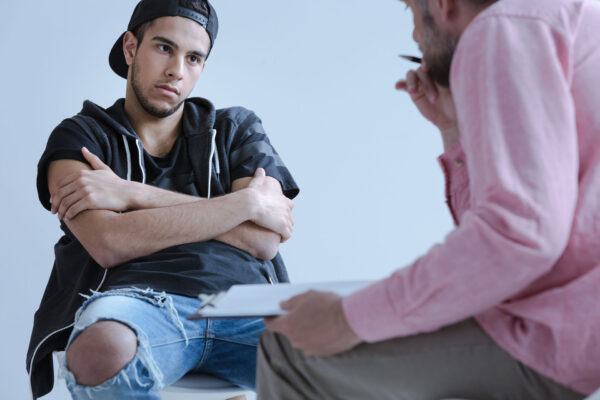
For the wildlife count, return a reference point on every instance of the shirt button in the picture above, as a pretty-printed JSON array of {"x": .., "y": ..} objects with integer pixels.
[{"x": 458, "y": 163}]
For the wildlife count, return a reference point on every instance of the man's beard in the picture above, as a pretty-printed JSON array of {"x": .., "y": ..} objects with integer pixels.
[
  {"x": 439, "y": 51},
  {"x": 144, "y": 102}
]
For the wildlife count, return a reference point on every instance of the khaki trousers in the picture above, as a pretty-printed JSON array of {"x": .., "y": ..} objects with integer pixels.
[{"x": 459, "y": 361}]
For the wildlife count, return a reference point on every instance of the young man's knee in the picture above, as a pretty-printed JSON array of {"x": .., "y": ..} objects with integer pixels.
[{"x": 100, "y": 352}]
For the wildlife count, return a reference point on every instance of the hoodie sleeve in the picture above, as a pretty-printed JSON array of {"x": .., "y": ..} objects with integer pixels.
[
  {"x": 251, "y": 149},
  {"x": 65, "y": 142}
]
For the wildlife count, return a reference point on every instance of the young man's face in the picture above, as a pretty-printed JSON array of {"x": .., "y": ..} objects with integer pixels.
[
  {"x": 166, "y": 65},
  {"x": 436, "y": 45}
]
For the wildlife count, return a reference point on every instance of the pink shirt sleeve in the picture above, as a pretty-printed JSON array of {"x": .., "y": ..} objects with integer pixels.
[{"x": 510, "y": 80}]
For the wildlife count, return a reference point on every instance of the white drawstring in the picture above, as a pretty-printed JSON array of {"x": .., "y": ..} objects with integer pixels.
[
  {"x": 140, "y": 153},
  {"x": 128, "y": 157},
  {"x": 213, "y": 134}
]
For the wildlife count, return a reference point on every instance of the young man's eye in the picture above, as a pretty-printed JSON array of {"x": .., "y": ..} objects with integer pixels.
[
  {"x": 163, "y": 47},
  {"x": 194, "y": 59}
]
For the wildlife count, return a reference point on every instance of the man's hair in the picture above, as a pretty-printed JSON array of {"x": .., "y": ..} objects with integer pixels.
[
  {"x": 422, "y": 4},
  {"x": 200, "y": 6}
]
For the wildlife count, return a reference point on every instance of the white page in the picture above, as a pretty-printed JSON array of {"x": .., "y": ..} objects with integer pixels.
[{"x": 262, "y": 300}]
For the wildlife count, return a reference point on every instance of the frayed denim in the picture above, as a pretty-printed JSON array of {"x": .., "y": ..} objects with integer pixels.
[{"x": 169, "y": 345}]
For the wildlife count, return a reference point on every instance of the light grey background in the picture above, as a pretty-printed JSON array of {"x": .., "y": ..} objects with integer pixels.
[{"x": 320, "y": 74}]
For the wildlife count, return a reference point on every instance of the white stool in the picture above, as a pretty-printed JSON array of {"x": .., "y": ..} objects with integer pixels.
[{"x": 202, "y": 387}]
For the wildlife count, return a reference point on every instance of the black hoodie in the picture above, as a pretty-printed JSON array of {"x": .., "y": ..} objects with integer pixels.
[{"x": 221, "y": 145}]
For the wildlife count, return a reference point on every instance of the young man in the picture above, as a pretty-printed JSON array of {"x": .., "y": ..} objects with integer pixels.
[
  {"x": 161, "y": 198},
  {"x": 506, "y": 307}
]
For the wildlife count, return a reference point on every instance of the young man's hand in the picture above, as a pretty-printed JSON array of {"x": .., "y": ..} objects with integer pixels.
[
  {"x": 270, "y": 209},
  {"x": 95, "y": 189},
  {"x": 315, "y": 323},
  {"x": 433, "y": 101}
]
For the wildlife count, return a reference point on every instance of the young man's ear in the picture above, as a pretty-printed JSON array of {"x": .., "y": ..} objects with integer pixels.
[{"x": 130, "y": 43}]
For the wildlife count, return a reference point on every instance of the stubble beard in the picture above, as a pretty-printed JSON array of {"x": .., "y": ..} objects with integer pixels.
[
  {"x": 144, "y": 102},
  {"x": 441, "y": 48}
]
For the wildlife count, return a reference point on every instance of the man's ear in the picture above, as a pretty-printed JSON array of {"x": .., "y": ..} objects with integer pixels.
[{"x": 130, "y": 43}]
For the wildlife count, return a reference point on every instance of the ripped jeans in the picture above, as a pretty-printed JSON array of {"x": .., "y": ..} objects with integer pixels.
[{"x": 169, "y": 345}]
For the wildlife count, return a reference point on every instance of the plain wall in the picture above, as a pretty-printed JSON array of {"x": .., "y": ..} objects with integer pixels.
[{"x": 321, "y": 76}]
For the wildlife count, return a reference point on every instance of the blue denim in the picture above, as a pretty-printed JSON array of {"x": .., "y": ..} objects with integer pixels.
[{"x": 169, "y": 345}]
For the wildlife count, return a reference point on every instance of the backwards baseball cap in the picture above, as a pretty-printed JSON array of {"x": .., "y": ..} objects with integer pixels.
[{"x": 148, "y": 10}]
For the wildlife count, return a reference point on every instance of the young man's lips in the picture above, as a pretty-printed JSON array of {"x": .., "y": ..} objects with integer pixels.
[{"x": 168, "y": 88}]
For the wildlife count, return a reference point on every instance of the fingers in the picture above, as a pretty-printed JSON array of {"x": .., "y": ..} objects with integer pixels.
[
  {"x": 69, "y": 179},
  {"x": 94, "y": 161},
  {"x": 75, "y": 209},
  {"x": 57, "y": 198},
  {"x": 73, "y": 204},
  {"x": 291, "y": 302},
  {"x": 285, "y": 232},
  {"x": 412, "y": 82},
  {"x": 66, "y": 187},
  {"x": 273, "y": 209},
  {"x": 277, "y": 216},
  {"x": 258, "y": 179},
  {"x": 64, "y": 204},
  {"x": 75, "y": 181},
  {"x": 289, "y": 228},
  {"x": 401, "y": 85},
  {"x": 418, "y": 83},
  {"x": 278, "y": 324},
  {"x": 426, "y": 84},
  {"x": 63, "y": 200}
]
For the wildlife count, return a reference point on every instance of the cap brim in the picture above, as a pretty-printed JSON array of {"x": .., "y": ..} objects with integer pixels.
[{"x": 116, "y": 58}]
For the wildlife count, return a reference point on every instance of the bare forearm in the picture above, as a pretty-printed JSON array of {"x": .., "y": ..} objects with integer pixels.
[
  {"x": 147, "y": 196},
  {"x": 256, "y": 240},
  {"x": 118, "y": 238},
  {"x": 158, "y": 219}
]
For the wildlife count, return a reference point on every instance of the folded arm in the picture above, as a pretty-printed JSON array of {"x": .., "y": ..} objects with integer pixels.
[
  {"x": 244, "y": 218},
  {"x": 260, "y": 242}
]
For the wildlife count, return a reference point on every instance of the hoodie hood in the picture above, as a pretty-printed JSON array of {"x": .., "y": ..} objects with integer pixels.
[
  {"x": 198, "y": 122},
  {"x": 198, "y": 116}
]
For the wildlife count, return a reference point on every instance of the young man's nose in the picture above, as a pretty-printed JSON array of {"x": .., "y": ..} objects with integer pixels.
[{"x": 175, "y": 67}]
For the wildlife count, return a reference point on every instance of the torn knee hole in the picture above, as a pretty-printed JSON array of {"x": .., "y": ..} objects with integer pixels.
[{"x": 101, "y": 351}]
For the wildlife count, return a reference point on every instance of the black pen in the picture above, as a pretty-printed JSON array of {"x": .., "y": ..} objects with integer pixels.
[{"x": 411, "y": 58}]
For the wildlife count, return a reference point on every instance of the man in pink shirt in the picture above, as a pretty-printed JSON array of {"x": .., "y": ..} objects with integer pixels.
[{"x": 507, "y": 307}]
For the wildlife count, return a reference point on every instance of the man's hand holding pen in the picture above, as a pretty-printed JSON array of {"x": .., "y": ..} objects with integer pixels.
[{"x": 433, "y": 101}]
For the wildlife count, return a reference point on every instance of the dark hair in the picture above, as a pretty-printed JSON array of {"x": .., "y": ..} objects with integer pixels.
[
  {"x": 199, "y": 6},
  {"x": 422, "y": 4}
]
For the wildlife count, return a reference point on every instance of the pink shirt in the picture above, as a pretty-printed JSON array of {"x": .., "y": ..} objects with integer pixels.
[{"x": 523, "y": 186}]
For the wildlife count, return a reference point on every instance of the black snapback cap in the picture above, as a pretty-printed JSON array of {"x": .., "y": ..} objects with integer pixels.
[{"x": 148, "y": 10}]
